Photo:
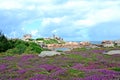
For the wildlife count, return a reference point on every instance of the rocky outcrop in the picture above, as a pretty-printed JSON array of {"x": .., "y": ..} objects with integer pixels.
[
  {"x": 112, "y": 52},
  {"x": 48, "y": 53},
  {"x": 85, "y": 43},
  {"x": 107, "y": 43}
]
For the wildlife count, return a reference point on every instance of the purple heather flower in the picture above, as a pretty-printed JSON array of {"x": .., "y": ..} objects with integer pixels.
[
  {"x": 22, "y": 71},
  {"x": 99, "y": 77},
  {"x": 2, "y": 67},
  {"x": 109, "y": 72},
  {"x": 78, "y": 66},
  {"x": 49, "y": 67},
  {"x": 26, "y": 57},
  {"x": 59, "y": 72},
  {"x": 9, "y": 58},
  {"x": 98, "y": 51},
  {"x": 39, "y": 77}
]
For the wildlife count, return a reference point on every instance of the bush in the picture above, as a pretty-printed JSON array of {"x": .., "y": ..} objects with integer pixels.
[
  {"x": 116, "y": 69},
  {"x": 21, "y": 48},
  {"x": 4, "y": 43},
  {"x": 40, "y": 39},
  {"x": 33, "y": 48}
]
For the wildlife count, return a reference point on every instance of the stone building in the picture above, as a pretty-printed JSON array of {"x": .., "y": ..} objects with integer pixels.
[{"x": 27, "y": 37}]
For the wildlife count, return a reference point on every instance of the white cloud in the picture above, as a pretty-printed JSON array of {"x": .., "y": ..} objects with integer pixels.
[
  {"x": 100, "y": 15},
  {"x": 84, "y": 23},
  {"x": 56, "y": 20},
  {"x": 34, "y": 32},
  {"x": 65, "y": 17},
  {"x": 54, "y": 31},
  {"x": 7, "y": 4},
  {"x": 104, "y": 15},
  {"x": 31, "y": 7}
]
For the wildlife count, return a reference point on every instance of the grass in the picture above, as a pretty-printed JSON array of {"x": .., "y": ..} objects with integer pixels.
[
  {"x": 79, "y": 58},
  {"x": 76, "y": 73},
  {"x": 73, "y": 65}
]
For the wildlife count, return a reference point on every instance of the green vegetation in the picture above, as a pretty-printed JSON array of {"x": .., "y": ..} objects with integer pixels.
[
  {"x": 5, "y": 44},
  {"x": 49, "y": 41},
  {"x": 17, "y": 46},
  {"x": 79, "y": 58},
  {"x": 116, "y": 69},
  {"x": 80, "y": 49},
  {"x": 59, "y": 51},
  {"x": 21, "y": 47},
  {"x": 39, "y": 39},
  {"x": 31, "y": 39},
  {"x": 44, "y": 72},
  {"x": 75, "y": 73}
]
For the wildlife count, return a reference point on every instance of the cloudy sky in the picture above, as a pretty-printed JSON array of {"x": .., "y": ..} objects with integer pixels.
[{"x": 74, "y": 20}]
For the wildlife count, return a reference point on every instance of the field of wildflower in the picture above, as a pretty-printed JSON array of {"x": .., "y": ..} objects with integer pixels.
[{"x": 73, "y": 65}]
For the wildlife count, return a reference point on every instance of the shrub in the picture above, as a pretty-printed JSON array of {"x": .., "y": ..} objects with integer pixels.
[
  {"x": 40, "y": 39},
  {"x": 116, "y": 69},
  {"x": 4, "y": 43}
]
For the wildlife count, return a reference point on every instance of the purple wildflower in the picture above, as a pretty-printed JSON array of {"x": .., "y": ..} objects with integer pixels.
[
  {"x": 78, "y": 66},
  {"x": 9, "y": 58},
  {"x": 98, "y": 51},
  {"x": 3, "y": 67},
  {"x": 49, "y": 68},
  {"x": 39, "y": 77},
  {"x": 59, "y": 72},
  {"x": 26, "y": 57},
  {"x": 22, "y": 71}
]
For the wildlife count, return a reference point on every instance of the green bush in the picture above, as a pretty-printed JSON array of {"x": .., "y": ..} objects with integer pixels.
[
  {"x": 33, "y": 48},
  {"x": 21, "y": 48},
  {"x": 39, "y": 39},
  {"x": 4, "y": 43},
  {"x": 18, "y": 47},
  {"x": 116, "y": 69}
]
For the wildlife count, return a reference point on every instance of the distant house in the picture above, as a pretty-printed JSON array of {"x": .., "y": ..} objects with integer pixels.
[
  {"x": 107, "y": 43},
  {"x": 117, "y": 42},
  {"x": 27, "y": 37}
]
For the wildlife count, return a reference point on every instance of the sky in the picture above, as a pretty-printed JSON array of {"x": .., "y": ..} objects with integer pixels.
[{"x": 73, "y": 20}]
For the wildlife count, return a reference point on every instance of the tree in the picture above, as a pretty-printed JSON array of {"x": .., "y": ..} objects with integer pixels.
[{"x": 4, "y": 43}]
